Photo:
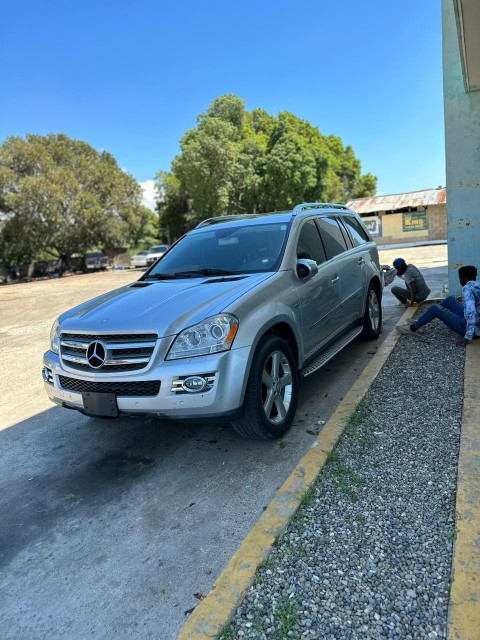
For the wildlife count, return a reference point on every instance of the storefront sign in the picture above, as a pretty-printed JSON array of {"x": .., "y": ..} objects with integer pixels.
[
  {"x": 374, "y": 225},
  {"x": 414, "y": 221}
]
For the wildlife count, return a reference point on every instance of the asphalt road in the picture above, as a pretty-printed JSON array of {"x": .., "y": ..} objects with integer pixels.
[{"x": 109, "y": 527}]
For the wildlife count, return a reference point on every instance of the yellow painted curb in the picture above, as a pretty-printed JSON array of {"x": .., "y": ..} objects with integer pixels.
[
  {"x": 464, "y": 613},
  {"x": 228, "y": 591}
]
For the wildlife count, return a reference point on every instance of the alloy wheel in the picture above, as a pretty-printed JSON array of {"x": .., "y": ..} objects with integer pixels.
[
  {"x": 277, "y": 386},
  {"x": 374, "y": 309}
]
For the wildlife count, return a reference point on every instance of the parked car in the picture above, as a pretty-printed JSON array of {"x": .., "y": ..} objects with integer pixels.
[
  {"x": 139, "y": 259},
  {"x": 93, "y": 261},
  {"x": 154, "y": 253},
  {"x": 225, "y": 324}
]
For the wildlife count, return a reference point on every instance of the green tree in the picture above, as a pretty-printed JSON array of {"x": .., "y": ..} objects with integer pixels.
[
  {"x": 144, "y": 230},
  {"x": 235, "y": 161},
  {"x": 174, "y": 210},
  {"x": 61, "y": 196},
  {"x": 209, "y": 161},
  {"x": 296, "y": 164}
]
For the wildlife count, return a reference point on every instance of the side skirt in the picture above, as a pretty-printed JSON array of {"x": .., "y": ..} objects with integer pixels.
[{"x": 331, "y": 351}]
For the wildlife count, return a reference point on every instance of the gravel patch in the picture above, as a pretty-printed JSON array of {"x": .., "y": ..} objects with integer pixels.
[{"x": 369, "y": 553}]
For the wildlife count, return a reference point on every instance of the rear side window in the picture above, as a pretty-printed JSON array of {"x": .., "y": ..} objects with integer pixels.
[
  {"x": 309, "y": 244},
  {"x": 332, "y": 236},
  {"x": 356, "y": 230}
]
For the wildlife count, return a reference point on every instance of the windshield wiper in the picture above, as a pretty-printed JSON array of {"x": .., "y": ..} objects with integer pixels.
[
  {"x": 206, "y": 272},
  {"x": 161, "y": 276}
]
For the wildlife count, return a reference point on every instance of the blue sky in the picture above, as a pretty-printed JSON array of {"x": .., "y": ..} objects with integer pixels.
[{"x": 131, "y": 77}]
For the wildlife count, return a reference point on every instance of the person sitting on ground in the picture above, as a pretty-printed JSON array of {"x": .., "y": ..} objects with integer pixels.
[
  {"x": 416, "y": 290},
  {"x": 464, "y": 320}
]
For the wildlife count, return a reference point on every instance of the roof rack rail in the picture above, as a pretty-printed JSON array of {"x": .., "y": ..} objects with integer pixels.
[
  {"x": 208, "y": 221},
  {"x": 317, "y": 205},
  {"x": 226, "y": 218}
]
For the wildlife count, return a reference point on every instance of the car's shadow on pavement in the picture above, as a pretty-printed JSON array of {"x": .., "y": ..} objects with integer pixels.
[{"x": 61, "y": 464}]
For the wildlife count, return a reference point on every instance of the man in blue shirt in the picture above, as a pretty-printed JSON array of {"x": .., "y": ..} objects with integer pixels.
[{"x": 463, "y": 319}]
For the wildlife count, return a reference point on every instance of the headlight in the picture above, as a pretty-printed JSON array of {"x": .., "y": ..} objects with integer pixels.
[
  {"x": 55, "y": 337},
  {"x": 210, "y": 336}
]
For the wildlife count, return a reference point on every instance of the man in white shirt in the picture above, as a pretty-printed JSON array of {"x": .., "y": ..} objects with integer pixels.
[{"x": 463, "y": 319}]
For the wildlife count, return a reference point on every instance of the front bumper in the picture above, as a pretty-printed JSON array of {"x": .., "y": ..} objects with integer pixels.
[{"x": 225, "y": 397}]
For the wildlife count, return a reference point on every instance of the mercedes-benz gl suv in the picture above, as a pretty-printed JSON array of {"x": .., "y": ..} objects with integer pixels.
[{"x": 225, "y": 324}]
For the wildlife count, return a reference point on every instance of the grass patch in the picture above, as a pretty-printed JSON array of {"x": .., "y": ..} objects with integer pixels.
[
  {"x": 227, "y": 632},
  {"x": 301, "y": 550},
  {"x": 359, "y": 416},
  {"x": 308, "y": 497},
  {"x": 287, "y": 617},
  {"x": 269, "y": 563},
  {"x": 346, "y": 479},
  {"x": 360, "y": 427}
]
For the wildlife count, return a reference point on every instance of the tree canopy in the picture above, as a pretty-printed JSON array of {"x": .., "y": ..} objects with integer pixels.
[
  {"x": 61, "y": 196},
  {"x": 236, "y": 161}
]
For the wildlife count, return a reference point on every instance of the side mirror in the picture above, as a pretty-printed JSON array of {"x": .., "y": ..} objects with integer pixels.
[{"x": 306, "y": 268}]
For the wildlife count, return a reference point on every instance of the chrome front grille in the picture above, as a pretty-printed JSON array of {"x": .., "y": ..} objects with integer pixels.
[{"x": 122, "y": 352}]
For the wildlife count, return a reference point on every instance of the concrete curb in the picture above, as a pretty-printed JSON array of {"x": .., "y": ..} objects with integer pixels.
[
  {"x": 229, "y": 590},
  {"x": 464, "y": 612}
]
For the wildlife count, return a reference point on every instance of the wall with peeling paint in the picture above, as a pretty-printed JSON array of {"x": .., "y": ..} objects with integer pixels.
[
  {"x": 392, "y": 232},
  {"x": 437, "y": 222},
  {"x": 462, "y": 141}
]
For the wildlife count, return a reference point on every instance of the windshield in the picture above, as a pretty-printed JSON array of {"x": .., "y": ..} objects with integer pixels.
[
  {"x": 242, "y": 249},
  {"x": 159, "y": 249}
]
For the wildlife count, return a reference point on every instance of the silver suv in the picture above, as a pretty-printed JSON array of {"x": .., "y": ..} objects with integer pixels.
[{"x": 225, "y": 323}]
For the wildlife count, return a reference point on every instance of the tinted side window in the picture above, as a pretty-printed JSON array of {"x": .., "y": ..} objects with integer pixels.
[
  {"x": 332, "y": 236},
  {"x": 356, "y": 231},
  {"x": 309, "y": 244}
]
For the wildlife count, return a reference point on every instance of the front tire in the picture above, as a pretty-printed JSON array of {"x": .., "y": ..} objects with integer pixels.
[
  {"x": 372, "y": 318},
  {"x": 271, "y": 395}
]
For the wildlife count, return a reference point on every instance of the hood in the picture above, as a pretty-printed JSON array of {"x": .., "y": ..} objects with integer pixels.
[{"x": 163, "y": 306}]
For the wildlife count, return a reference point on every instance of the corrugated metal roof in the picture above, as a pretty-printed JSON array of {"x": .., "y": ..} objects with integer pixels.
[{"x": 398, "y": 201}]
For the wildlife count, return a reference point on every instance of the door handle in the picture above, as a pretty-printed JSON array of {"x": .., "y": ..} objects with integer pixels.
[{"x": 336, "y": 279}]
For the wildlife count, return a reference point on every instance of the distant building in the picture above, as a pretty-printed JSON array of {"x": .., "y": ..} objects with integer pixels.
[{"x": 404, "y": 217}]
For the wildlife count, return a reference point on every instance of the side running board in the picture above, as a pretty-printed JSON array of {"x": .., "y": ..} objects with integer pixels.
[{"x": 332, "y": 351}]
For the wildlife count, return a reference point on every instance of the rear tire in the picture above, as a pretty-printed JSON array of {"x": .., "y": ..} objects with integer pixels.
[
  {"x": 372, "y": 318},
  {"x": 271, "y": 395}
]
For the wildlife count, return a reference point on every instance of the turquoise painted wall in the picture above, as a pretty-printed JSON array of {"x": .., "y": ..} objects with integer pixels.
[{"x": 462, "y": 142}]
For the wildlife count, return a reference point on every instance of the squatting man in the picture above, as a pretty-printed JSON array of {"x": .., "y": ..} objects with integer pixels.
[{"x": 416, "y": 290}]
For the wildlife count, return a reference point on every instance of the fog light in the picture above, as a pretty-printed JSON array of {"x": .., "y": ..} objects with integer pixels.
[
  {"x": 47, "y": 375},
  {"x": 194, "y": 383}
]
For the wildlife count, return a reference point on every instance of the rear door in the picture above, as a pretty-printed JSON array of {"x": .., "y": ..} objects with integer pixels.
[
  {"x": 338, "y": 249},
  {"x": 360, "y": 261},
  {"x": 320, "y": 294}
]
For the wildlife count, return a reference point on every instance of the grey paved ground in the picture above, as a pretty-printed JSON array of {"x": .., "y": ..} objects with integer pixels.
[{"x": 108, "y": 528}]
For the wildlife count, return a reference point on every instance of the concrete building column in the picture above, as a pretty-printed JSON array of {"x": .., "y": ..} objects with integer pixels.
[{"x": 462, "y": 144}]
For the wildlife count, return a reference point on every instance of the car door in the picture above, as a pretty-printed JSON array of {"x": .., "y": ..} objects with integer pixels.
[
  {"x": 337, "y": 246},
  {"x": 360, "y": 260},
  {"x": 319, "y": 294}
]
